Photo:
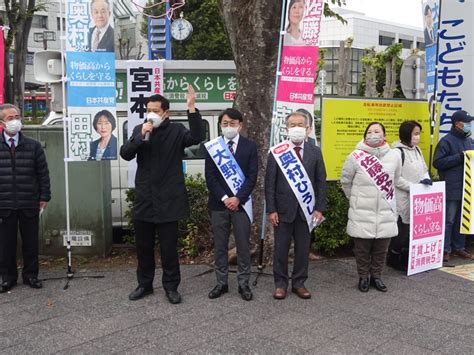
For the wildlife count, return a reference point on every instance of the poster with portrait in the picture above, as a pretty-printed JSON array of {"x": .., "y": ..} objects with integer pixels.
[
  {"x": 93, "y": 134},
  {"x": 89, "y": 26},
  {"x": 91, "y": 82},
  {"x": 430, "y": 12},
  {"x": 297, "y": 68},
  {"x": 427, "y": 220}
]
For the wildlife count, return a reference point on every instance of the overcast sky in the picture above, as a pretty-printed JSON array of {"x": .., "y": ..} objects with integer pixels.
[{"x": 399, "y": 11}]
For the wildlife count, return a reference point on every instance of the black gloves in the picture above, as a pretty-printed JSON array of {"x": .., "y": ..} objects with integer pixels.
[{"x": 426, "y": 182}]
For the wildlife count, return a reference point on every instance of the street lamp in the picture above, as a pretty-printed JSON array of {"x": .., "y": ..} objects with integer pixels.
[{"x": 45, "y": 37}]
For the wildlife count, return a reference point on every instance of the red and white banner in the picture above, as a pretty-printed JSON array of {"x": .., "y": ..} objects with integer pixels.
[
  {"x": 427, "y": 221},
  {"x": 297, "y": 68},
  {"x": 2, "y": 66}
]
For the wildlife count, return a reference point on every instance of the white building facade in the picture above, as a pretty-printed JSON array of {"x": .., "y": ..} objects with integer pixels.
[{"x": 366, "y": 33}]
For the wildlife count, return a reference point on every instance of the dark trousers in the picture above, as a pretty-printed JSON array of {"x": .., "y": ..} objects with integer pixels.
[
  {"x": 27, "y": 220},
  {"x": 298, "y": 231},
  {"x": 453, "y": 239},
  {"x": 402, "y": 240},
  {"x": 145, "y": 244},
  {"x": 370, "y": 256},
  {"x": 221, "y": 224}
]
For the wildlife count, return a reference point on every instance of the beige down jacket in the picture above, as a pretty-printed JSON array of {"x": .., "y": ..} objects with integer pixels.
[
  {"x": 414, "y": 169},
  {"x": 370, "y": 215}
]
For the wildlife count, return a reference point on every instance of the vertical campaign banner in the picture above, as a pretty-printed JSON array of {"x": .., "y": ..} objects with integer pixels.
[
  {"x": 455, "y": 79},
  {"x": 2, "y": 66},
  {"x": 427, "y": 221},
  {"x": 144, "y": 78},
  {"x": 90, "y": 70},
  {"x": 430, "y": 10},
  {"x": 297, "y": 67}
]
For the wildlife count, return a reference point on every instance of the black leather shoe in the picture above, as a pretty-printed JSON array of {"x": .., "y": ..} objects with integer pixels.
[
  {"x": 245, "y": 293},
  {"x": 363, "y": 285},
  {"x": 173, "y": 296},
  {"x": 6, "y": 286},
  {"x": 33, "y": 282},
  {"x": 218, "y": 291},
  {"x": 378, "y": 284},
  {"x": 140, "y": 292}
]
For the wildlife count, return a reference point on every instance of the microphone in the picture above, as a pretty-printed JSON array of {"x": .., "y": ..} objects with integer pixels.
[
  {"x": 155, "y": 120},
  {"x": 147, "y": 137}
]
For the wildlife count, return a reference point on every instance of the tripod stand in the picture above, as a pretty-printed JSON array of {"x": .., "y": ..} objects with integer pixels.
[{"x": 70, "y": 273}]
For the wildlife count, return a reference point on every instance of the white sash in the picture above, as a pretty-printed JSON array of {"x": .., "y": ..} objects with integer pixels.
[
  {"x": 229, "y": 169},
  {"x": 374, "y": 169},
  {"x": 297, "y": 178}
]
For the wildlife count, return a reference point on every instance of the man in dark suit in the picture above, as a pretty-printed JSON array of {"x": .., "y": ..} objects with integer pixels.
[
  {"x": 24, "y": 192},
  {"x": 101, "y": 36},
  {"x": 227, "y": 208},
  {"x": 160, "y": 192},
  {"x": 285, "y": 213}
]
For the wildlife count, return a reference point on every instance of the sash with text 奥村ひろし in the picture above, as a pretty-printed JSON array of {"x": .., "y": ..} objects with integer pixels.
[
  {"x": 229, "y": 169},
  {"x": 297, "y": 177},
  {"x": 372, "y": 166}
]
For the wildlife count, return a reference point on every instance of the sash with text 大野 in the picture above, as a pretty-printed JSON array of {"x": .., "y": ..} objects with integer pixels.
[
  {"x": 374, "y": 169},
  {"x": 229, "y": 169},
  {"x": 297, "y": 178}
]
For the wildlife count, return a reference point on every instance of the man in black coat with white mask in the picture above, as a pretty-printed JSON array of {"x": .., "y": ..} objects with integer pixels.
[{"x": 160, "y": 193}]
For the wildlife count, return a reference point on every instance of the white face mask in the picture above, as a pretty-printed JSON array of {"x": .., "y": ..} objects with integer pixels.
[
  {"x": 297, "y": 134},
  {"x": 415, "y": 140},
  {"x": 373, "y": 140},
  {"x": 154, "y": 118},
  {"x": 230, "y": 132},
  {"x": 13, "y": 127}
]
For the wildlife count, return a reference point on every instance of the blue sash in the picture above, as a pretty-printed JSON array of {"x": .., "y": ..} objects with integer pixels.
[{"x": 229, "y": 169}]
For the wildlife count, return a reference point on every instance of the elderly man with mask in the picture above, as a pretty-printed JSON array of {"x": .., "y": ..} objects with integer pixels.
[
  {"x": 449, "y": 160},
  {"x": 230, "y": 204},
  {"x": 295, "y": 193},
  {"x": 24, "y": 192}
]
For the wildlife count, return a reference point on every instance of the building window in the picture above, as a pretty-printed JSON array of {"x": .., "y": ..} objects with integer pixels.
[
  {"x": 385, "y": 40},
  {"x": 420, "y": 45},
  {"x": 39, "y": 21},
  {"x": 29, "y": 58},
  {"x": 58, "y": 24},
  {"x": 405, "y": 43}
]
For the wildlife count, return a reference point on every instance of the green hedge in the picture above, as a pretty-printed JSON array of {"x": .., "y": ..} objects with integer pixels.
[
  {"x": 331, "y": 235},
  {"x": 195, "y": 232}
]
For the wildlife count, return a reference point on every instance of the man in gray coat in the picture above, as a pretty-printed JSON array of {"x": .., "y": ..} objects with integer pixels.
[
  {"x": 285, "y": 212},
  {"x": 160, "y": 193}
]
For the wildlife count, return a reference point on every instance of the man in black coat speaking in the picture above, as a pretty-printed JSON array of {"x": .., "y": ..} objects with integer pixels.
[
  {"x": 24, "y": 192},
  {"x": 160, "y": 193}
]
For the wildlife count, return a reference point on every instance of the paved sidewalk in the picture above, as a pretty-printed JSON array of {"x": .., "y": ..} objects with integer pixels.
[{"x": 430, "y": 312}]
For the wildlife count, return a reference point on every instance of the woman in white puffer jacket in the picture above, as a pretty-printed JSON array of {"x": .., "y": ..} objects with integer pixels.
[
  {"x": 414, "y": 171},
  {"x": 372, "y": 221}
]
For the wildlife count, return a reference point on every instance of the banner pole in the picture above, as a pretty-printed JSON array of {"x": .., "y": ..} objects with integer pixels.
[
  {"x": 70, "y": 273},
  {"x": 434, "y": 105}
]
